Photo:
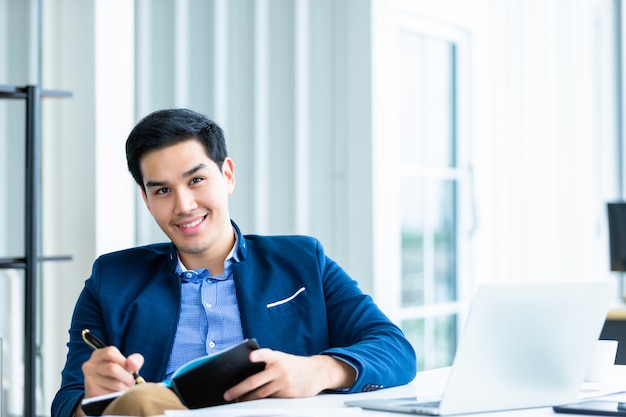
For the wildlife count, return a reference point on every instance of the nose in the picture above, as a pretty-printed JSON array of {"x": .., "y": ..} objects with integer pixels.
[{"x": 185, "y": 201}]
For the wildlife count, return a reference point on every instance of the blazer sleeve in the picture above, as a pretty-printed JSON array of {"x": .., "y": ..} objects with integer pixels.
[
  {"x": 362, "y": 335},
  {"x": 294, "y": 298},
  {"x": 72, "y": 384},
  {"x": 124, "y": 319}
]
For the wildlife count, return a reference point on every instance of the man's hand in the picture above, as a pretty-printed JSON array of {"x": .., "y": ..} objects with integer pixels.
[
  {"x": 107, "y": 370},
  {"x": 290, "y": 376}
]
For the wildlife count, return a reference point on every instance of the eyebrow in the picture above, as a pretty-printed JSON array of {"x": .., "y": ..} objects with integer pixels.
[{"x": 186, "y": 174}]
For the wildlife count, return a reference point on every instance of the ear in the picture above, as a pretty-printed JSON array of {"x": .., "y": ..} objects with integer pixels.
[
  {"x": 228, "y": 170},
  {"x": 145, "y": 199}
]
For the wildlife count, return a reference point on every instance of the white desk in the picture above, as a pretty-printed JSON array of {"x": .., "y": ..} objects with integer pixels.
[{"x": 426, "y": 384}]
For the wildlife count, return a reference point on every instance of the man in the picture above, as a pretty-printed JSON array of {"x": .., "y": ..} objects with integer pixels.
[{"x": 158, "y": 306}]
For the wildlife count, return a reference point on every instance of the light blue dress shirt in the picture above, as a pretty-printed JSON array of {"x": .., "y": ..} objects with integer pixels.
[{"x": 209, "y": 316}]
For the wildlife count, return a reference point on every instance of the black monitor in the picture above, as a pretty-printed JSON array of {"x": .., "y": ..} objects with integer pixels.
[{"x": 617, "y": 235}]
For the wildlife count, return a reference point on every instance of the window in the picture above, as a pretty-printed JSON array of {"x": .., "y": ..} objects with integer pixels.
[{"x": 426, "y": 143}]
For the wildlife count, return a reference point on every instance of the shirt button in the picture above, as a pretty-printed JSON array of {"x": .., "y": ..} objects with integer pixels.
[
  {"x": 211, "y": 344},
  {"x": 208, "y": 305}
]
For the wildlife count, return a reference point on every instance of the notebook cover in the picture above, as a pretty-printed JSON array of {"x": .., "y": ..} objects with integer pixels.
[
  {"x": 204, "y": 385},
  {"x": 200, "y": 382}
]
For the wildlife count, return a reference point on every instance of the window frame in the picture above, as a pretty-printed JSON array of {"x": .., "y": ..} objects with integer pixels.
[{"x": 389, "y": 172}]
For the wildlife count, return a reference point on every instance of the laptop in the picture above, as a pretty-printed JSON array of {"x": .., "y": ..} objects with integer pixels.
[{"x": 523, "y": 346}]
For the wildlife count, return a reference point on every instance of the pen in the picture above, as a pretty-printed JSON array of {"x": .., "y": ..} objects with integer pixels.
[{"x": 93, "y": 341}]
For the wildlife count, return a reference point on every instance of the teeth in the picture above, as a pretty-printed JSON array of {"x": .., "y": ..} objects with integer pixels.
[{"x": 197, "y": 222}]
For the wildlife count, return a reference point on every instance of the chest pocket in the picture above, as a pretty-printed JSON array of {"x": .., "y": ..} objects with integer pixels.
[{"x": 286, "y": 303}]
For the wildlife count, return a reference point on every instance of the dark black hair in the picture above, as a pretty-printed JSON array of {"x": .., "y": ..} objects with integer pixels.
[{"x": 164, "y": 128}]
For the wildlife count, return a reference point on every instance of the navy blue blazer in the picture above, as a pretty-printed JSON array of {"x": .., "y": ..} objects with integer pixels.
[{"x": 132, "y": 300}]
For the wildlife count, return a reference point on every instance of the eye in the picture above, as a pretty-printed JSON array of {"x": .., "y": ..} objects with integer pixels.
[
  {"x": 163, "y": 190},
  {"x": 196, "y": 180}
]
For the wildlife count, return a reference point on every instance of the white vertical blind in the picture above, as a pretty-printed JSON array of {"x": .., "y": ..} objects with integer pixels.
[
  {"x": 280, "y": 91},
  {"x": 182, "y": 55},
  {"x": 261, "y": 119},
  {"x": 114, "y": 101},
  {"x": 552, "y": 119},
  {"x": 221, "y": 45},
  {"x": 302, "y": 133}
]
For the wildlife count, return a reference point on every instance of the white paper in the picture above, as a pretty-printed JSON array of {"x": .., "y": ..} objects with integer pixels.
[{"x": 267, "y": 412}]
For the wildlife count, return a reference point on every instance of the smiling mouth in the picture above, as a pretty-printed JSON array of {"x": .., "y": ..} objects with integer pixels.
[{"x": 192, "y": 224}]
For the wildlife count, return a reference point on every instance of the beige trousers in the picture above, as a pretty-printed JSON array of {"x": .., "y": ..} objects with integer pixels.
[{"x": 147, "y": 399}]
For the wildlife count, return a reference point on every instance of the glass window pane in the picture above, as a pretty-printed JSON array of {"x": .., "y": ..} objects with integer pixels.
[
  {"x": 434, "y": 340},
  {"x": 414, "y": 332},
  {"x": 412, "y": 245},
  {"x": 445, "y": 340},
  {"x": 428, "y": 221},
  {"x": 426, "y": 100},
  {"x": 443, "y": 219}
]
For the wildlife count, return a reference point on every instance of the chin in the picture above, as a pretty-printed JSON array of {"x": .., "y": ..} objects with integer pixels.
[{"x": 190, "y": 249}]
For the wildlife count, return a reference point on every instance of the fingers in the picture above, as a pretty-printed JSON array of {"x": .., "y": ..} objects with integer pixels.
[
  {"x": 245, "y": 390},
  {"x": 134, "y": 362},
  {"x": 107, "y": 370},
  {"x": 285, "y": 376}
]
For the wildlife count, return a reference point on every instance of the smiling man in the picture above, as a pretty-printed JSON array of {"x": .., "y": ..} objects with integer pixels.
[
  {"x": 162, "y": 305},
  {"x": 187, "y": 194}
]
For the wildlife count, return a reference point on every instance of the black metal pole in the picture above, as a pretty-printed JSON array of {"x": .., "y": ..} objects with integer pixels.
[{"x": 32, "y": 203}]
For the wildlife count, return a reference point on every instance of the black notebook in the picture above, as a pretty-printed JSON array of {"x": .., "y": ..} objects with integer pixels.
[
  {"x": 593, "y": 407},
  {"x": 200, "y": 382}
]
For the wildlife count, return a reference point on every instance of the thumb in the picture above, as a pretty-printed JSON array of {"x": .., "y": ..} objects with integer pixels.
[{"x": 134, "y": 362}]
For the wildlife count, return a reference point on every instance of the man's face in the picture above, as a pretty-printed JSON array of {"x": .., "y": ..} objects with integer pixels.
[{"x": 187, "y": 195}]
